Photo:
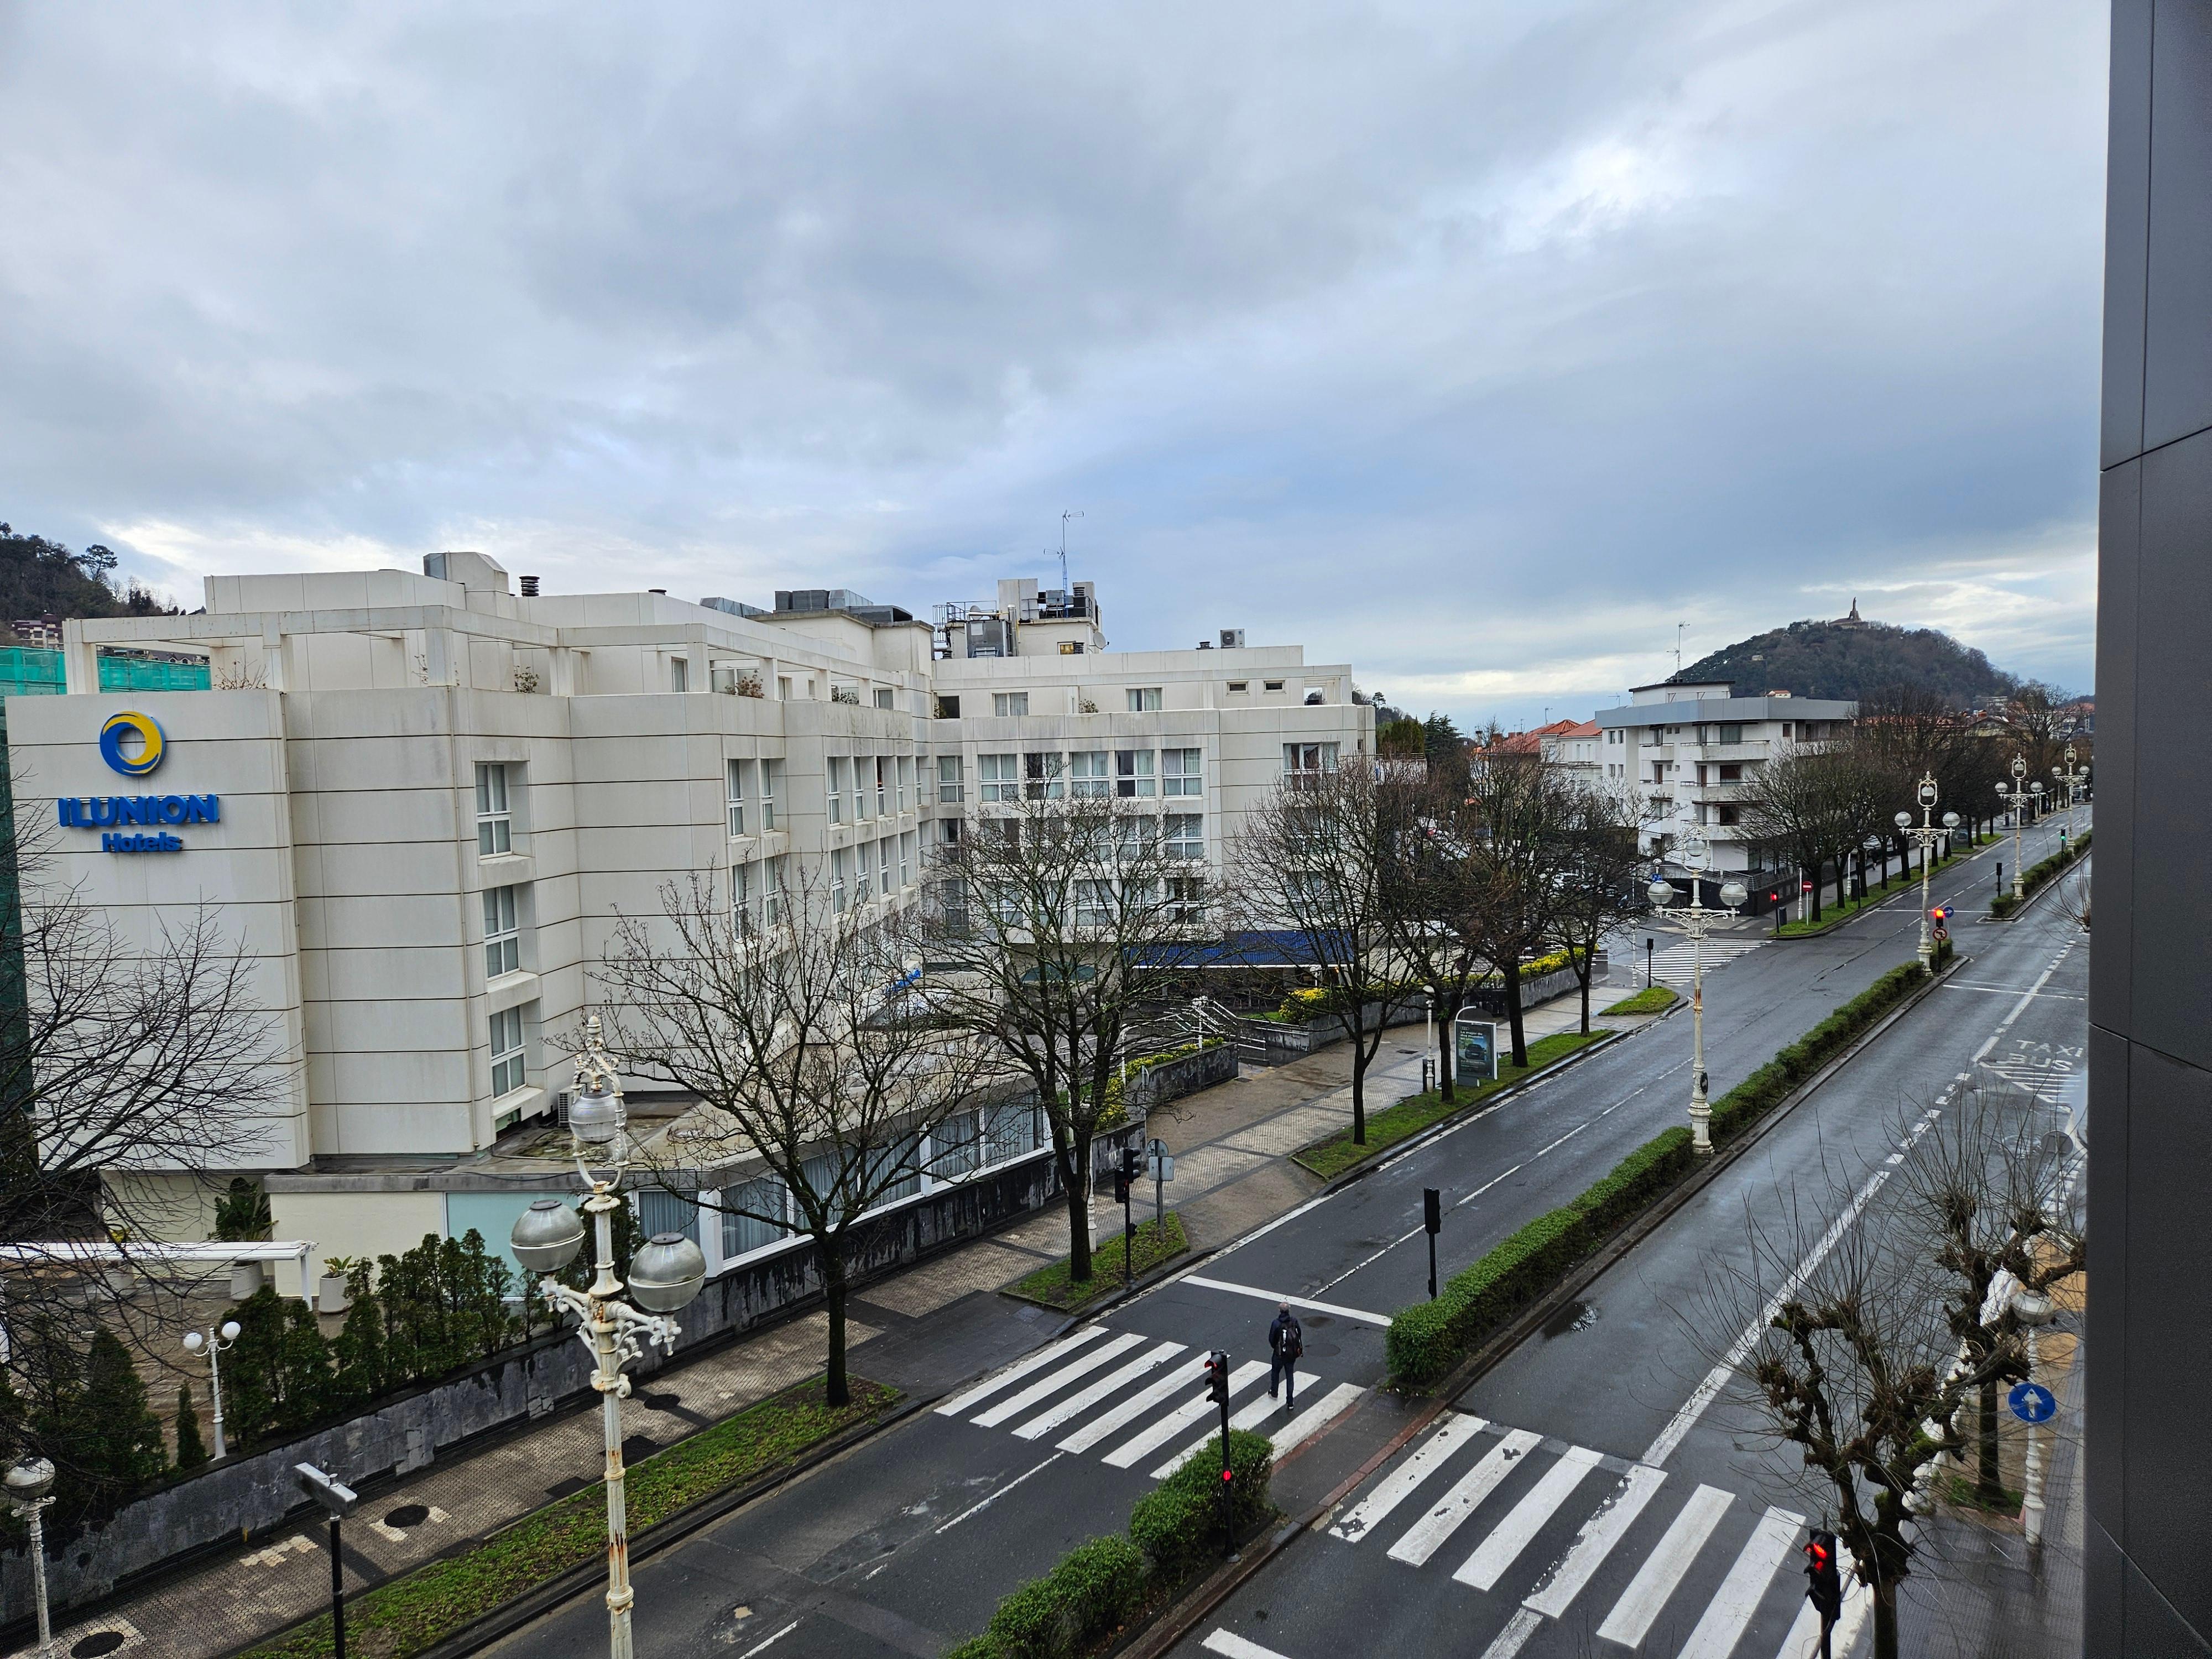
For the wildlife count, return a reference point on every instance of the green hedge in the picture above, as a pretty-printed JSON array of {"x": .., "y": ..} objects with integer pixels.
[
  {"x": 2038, "y": 877},
  {"x": 1100, "y": 1584}
]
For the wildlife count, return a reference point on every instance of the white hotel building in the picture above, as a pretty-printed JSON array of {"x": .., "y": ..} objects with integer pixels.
[{"x": 434, "y": 795}]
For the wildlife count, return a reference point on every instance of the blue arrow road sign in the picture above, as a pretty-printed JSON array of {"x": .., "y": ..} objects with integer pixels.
[{"x": 2032, "y": 1402}]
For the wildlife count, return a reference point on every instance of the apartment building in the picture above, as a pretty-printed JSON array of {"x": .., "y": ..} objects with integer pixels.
[
  {"x": 1691, "y": 749},
  {"x": 423, "y": 799}
]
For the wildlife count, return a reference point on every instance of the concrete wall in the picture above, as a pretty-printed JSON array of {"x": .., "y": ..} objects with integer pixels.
[
  {"x": 1172, "y": 1079},
  {"x": 208, "y": 1508}
]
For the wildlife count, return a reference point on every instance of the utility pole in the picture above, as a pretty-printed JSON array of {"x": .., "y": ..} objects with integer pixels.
[{"x": 1433, "y": 1221}]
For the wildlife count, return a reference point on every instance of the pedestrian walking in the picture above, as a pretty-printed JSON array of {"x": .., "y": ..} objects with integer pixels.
[{"x": 1286, "y": 1341}]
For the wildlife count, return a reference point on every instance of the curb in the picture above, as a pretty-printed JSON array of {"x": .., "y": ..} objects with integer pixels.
[
  {"x": 2019, "y": 909},
  {"x": 1177, "y": 1621}
]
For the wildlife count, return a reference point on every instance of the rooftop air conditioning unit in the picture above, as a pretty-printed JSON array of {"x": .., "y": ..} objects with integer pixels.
[{"x": 1232, "y": 639}]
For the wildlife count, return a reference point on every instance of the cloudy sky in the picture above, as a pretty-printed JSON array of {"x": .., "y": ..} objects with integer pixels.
[{"x": 1479, "y": 345}]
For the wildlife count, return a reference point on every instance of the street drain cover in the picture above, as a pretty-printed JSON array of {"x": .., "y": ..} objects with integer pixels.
[
  {"x": 406, "y": 1515},
  {"x": 99, "y": 1642}
]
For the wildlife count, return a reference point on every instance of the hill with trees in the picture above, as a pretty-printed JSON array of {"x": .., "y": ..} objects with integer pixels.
[
  {"x": 1853, "y": 658},
  {"x": 40, "y": 578}
]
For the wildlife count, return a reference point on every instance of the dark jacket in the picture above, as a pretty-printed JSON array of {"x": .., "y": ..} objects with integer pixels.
[{"x": 1286, "y": 1337}]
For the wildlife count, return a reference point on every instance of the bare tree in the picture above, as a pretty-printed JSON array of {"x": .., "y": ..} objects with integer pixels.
[
  {"x": 1315, "y": 860},
  {"x": 1434, "y": 892},
  {"x": 1053, "y": 924},
  {"x": 1519, "y": 811},
  {"x": 1598, "y": 888},
  {"x": 1867, "y": 1334},
  {"x": 824, "y": 1086},
  {"x": 1815, "y": 804}
]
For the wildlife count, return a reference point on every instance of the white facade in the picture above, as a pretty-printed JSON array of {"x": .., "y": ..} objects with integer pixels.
[
  {"x": 1689, "y": 749},
  {"x": 435, "y": 796}
]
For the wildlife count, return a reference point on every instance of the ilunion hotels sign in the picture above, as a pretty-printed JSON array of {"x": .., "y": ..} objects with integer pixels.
[{"x": 135, "y": 744}]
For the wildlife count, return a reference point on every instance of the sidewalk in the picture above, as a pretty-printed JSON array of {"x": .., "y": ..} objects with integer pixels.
[{"x": 922, "y": 1329}]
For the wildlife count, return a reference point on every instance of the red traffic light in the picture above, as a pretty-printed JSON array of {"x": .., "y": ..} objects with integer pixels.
[
  {"x": 1229, "y": 1474},
  {"x": 1774, "y": 898}
]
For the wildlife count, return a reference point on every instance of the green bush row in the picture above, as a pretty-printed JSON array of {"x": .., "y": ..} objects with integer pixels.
[
  {"x": 1426, "y": 1339},
  {"x": 2037, "y": 876},
  {"x": 1100, "y": 1583}
]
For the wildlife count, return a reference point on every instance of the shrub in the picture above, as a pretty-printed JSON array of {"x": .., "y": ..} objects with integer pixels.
[
  {"x": 1178, "y": 1524},
  {"x": 241, "y": 1215},
  {"x": 192, "y": 1450},
  {"x": 2037, "y": 876},
  {"x": 1424, "y": 1339},
  {"x": 1095, "y": 1586}
]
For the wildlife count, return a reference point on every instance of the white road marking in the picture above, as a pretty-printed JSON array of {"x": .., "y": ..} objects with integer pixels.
[
  {"x": 1316, "y": 1418},
  {"x": 1510, "y": 1536},
  {"x": 1182, "y": 1418},
  {"x": 1655, "y": 1581},
  {"x": 762, "y": 1647},
  {"x": 1729, "y": 1611},
  {"x": 1427, "y": 1536},
  {"x": 1014, "y": 1373},
  {"x": 1803, "y": 1641},
  {"x": 1360, "y": 1313},
  {"x": 1230, "y": 1645},
  {"x": 1179, "y": 1378},
  {"x": 1595, "y": 1542},
  {"x": 1001, "y": 1492},
  {"x": 1397, "y": 1486},
  {"x": 1524, "y": 1624},
  {"x": 1082, "y": 1365},
  {"x": 1251, "y": 1417},
  {"x": 1112, "y": 1383}
]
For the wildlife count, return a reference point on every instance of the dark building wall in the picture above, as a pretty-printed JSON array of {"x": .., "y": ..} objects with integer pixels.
[{"x": 2150, "y": 1533}]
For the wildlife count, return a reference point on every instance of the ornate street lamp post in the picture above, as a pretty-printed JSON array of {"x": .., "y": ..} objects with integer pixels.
[
  {"x": 1924, "y": 835},
  {"x": 30, "y": 1487},
  {"x": 1696, "y": 921},
  {"x": 2070, "y": 780},
  {"x": 2014, "y": 797},
  {"x": 664, "y": 1275},
  {"x": 214, "y": 1343}
]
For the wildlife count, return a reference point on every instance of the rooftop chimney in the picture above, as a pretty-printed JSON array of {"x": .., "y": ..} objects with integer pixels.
[{"x": 530, "y": 587}]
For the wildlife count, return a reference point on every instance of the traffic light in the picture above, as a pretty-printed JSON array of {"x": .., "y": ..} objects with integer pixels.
[
  {"x": 1774, "y": 896},
  {"x": 1940, "y": 914},
  {"x": 1217, "y": 1377},
  {"x": 1121, "y": 1186},
  {"x": 1824, "y": 1586},
  {"x": 1125, "y": 1178}
]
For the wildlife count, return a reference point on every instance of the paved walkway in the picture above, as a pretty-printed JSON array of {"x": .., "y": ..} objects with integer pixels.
[{"x": 924, "y": 1329}]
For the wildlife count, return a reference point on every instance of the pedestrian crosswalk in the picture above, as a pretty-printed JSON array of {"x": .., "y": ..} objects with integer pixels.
[
  {"x": 1150, "y": 1411},
  {"x": 1489, "y": 1514},
  {"x": 1674, "y": 965}
]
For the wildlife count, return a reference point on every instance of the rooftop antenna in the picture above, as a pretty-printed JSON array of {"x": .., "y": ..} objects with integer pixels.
[
  {"x": 1064, "y": 517},
  {"x": 1679, "y": 627}
]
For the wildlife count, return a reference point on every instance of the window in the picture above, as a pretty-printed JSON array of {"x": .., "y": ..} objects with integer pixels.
[
  {"x": 1144, "y": 700},
  {"x": 1179, "y": 772},
  {"x": 1307, "y": 759},
  {"x": 1186, "y": 899},
  {"x": 506, "y": 1052},
  {"x": 860, "y": 787},
  {"x": 679, "y": 674},
  {"x": 1724, "y": 815},
  {"x": 1133, "y": 772},
  {"x": 783, "y": 688},
  {"x": 1094, "y": 904},
  {"x": 905, "y": 780},
  {"x": 1731, "y": 771},
  {"x": 741, "y": 893},
  {"x": 1239, "y": 686},
  {"x": 1009, "y": 1131},
  {"x": 909, "y": 846},
  {"x": 950, "y": 786},
  {"x": 948, "y": 708},
  {"x": 955, "y": 1145},
  {"x": 495, "y": 832},
  {"x": 1184, "y": 834},
  {"x": 754, "y": 1216},
  {"x": 1010, "y": 702},
  {"x": 1087, "y": 773},
  {"x": 1134, "y": 836},
  {"x": 900, "y": 1165},
  {"x": 884, "y": 767},
  {"x": 771, "y": 777},
  {"x": 771, "y": 892},
  {"x": 837, "y": 861},
  {"x": 503, "y": 938},
  {"x": 862, "y": 889},
  {"x": 1042, "y": 776},
  {"x": 1732, "y": 731},
  {"x": 738, "y": 770},
  {"x": 659, "y": 1211},
  {"x": 1000, "y": 777},
  {"x": 1271, "y": 685},
  {"x": 1315, "y": 696},
  {"x": 883, "y": 696},
  {"x": 836, "y": 789}
]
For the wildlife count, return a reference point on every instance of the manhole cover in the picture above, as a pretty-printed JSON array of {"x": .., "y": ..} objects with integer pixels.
[
  {"x": 406, "y": 1515},
  {"x": 99, "y": 1642}
]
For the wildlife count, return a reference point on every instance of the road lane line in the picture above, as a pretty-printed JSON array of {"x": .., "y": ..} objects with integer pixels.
[
  {"x": 1729, "y": 1611},
  {"x": 1510, "y": 1536},
  {"x": 1604, "y": 1529},
  {"x": 1308, "y": 1303},
  {"x": 1427, "y": 1536},
  {"x": 1398, "y": 1486},
  {"x": 1014, "y": 1373},
  {"x": 1662, "y": 1570},
  {"x": 1081, "y": 1365},
  {"x": 2020, "y": 1007},
  {"x": 1111, "y": 1382},
  {"x": 1230, "y": 1645},
  {"x": 1182, "y": 1418},
  {"x": 1131, "y": 1409},
  {"x": 1251, "y": 1417},
  {"x": 1001, "y": 1492}
]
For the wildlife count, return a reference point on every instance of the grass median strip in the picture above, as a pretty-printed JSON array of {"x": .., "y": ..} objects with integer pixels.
[
  {"x": 1051, "y": 1285},
  {"x": 417, "y": 1610},
  {"x": 1835, "y": 914},
  {"x": 1651, "y": 999},
  {"x": 2040, "y": 877},
  {"x": 1332, "y": 1156}
]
